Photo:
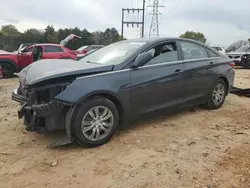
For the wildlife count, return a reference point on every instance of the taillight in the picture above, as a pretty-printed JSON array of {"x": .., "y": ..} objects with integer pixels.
[{"x": 231, "y": 64}]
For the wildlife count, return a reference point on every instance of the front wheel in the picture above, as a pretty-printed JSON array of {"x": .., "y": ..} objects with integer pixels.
[
  {"x": 217, "y": 95},
  {"x": 8, "y": 70},
  {"x": 95, "y": 122}
]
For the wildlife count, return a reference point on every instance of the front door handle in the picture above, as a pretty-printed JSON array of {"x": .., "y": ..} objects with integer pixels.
[{"x": 211, "y": 63}]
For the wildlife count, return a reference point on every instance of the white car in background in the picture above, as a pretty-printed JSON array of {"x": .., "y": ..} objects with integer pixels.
[
  {"x": 237, "y": 55},
  {"x": 219, "y": 49}
]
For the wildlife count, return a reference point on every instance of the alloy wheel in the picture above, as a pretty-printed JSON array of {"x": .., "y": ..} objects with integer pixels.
[
  {"x": 218, "y": 94},
  {"x": 97, "y": 123}
]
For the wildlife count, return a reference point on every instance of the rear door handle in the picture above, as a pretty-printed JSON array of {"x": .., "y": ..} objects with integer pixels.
[
  {"x": 178, "y": 71},
  {"x": 211, "y": 63}
]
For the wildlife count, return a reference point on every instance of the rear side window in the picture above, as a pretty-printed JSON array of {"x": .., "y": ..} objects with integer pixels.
[
  {"x": 48, "y": 49},
  {"x": 193, "y": 51},
  {"x": 212, "y": 54},
  {"x": 217, "y": 48}
]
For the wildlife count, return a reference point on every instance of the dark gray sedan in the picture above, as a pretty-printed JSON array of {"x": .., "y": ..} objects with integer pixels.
[{"x": 91, "y": 97}]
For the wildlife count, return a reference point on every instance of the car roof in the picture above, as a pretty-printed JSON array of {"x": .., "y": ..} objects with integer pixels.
[
  {"x": 43, "y": 44},
  {"x": 48, "y": 44},
  {"x": 159, "y": 39}
]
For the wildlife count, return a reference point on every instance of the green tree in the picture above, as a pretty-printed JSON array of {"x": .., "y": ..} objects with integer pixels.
[
  {"x": 9, "y": 30},
  {"x": 32, "y": 36},
  {"x": 51, "y": 35},
  {"x": 195, "y": 36},
  {"x": 11, "y": 38}
]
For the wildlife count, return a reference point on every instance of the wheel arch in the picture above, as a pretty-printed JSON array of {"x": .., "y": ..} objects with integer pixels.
[
  {"x": 226, "y": 82},
  {"x": 9, "y": 61},
  {"x": 106, "y": 94}
]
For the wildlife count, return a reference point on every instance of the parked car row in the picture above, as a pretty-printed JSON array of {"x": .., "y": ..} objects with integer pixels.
[
  {"x": 241, "y": 56},
  {"x": 92, "y": 97}
]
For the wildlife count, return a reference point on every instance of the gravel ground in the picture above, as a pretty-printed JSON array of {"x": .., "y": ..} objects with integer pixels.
[{"x": 196, "y": 148}]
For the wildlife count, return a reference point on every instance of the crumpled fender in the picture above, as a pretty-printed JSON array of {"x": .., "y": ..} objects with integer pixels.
[{"x": 115, "y": 83}]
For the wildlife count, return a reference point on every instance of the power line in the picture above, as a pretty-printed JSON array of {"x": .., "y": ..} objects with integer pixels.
[
  {"x": 134, "y": 23},
  {"x": 154, "y": 27}
]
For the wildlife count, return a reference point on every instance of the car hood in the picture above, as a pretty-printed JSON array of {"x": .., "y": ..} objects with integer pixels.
[
  {"x": 2, "y": 52},
  {"x": 47, "y": 69},
  {"x": 238, "y": 53}
]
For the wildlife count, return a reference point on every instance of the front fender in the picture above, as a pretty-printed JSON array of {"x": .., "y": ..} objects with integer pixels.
[{"x": 116, "y": 83}]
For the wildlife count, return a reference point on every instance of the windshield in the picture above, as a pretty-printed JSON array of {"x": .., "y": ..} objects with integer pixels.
[
  {"x": 114, "y": 53},
  {"x": 243, "y": 49}
]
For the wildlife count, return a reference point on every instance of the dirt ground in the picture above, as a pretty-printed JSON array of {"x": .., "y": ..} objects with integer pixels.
[{"x": 196, "y": 148}]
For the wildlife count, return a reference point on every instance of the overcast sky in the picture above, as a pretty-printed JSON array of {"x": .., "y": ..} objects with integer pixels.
[{"x": 222, "y": 21}]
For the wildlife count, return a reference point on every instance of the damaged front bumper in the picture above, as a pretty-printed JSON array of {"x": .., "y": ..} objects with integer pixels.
[
  {"x": 50, "y": 116},
  {"x": 42, "y": 118}
]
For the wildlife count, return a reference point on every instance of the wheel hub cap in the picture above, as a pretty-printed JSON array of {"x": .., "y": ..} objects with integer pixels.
[
  {"x": 218, "y": 94},
  {"x": 97, "y": 123}
]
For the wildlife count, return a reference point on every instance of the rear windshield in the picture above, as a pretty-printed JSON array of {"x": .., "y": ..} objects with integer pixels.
[{"x": 243, "y": 49}]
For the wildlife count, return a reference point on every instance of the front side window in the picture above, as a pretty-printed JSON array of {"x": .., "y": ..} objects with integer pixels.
[
  {"x": 193, "y": 51},
  {"x": 29, "y": 49},
  {"x": 113, "y": 54},
  {"x": 49, "y": 49},
  {"x": 164, "y": 53}
]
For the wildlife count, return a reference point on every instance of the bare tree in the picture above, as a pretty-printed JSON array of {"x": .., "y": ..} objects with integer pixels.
[{"x": 236, "y": 45}]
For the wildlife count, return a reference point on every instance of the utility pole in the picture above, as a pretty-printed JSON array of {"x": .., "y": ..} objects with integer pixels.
[
  {"x": 154, "y": 27},
  {"x": 133, "y": 23}
]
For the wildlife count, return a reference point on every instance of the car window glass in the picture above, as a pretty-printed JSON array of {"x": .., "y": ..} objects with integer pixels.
[
  {"x": 89, "y": 48},
  {"x": 114, "y": 53},
  {"x": 217, "y": 48},
  {"x": 212, "y": 54},
  {"x": 193, "y": 51},
  {"x": 53, "y": 49},
  {"x": 164, "y": 53},
  {"x": 30, "y": 49}
]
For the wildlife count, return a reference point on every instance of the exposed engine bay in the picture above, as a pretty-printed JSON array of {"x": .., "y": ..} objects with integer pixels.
[{"x": 40, "y": 111}]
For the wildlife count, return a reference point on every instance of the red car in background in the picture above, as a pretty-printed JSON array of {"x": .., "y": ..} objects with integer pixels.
[
  {"x": 16, "y": 61},
  {"x": 82, "y": 51},
  {"x": 12, "y": 62}
]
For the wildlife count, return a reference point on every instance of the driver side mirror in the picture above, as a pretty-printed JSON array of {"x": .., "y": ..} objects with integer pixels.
[{"x": 142, "y": 59}]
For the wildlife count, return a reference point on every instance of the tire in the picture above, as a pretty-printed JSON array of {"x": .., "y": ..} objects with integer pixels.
[
  {"x": 212, "y": 103},
  {"x": 84, "y": 137},
  {"x": 8, "y": 70}
]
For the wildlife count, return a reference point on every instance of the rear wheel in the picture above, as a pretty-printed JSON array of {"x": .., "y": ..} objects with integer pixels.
[
  {"x": 8, "y": 70},
  {"x": 217, "y": 95},
  {"x": 95, "y": 122}
]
